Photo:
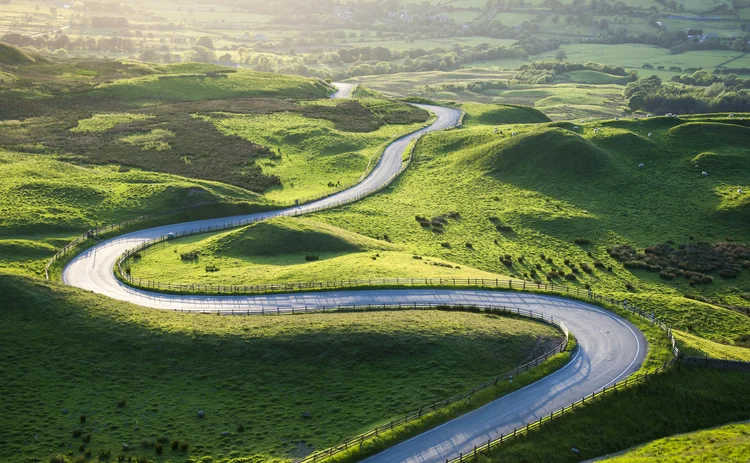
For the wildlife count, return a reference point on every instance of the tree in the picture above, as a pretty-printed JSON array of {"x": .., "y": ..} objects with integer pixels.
[
  {"x": 738, "y": 44},
  {"x": 205, "y": 42},
  {"x": 561, "y": 55}
]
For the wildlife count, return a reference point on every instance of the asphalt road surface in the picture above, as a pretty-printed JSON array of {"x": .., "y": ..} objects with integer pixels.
[{"x": 609, "y": 347}]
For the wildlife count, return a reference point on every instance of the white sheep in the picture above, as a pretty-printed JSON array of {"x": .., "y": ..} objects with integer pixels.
[
  {"x": 575, "y": 127},
  {"x": 649, "y": 115},
  {"x": 641, "y": 165},
  {"x": 583, "y": 120},
  {"x": 596, "y": 130},
  {"x": 649, "y": 134},
  {"x": 740, "y": 191},
  {"x": 617, "y": 118},
  {"x": 731, "y": 115},
  {"x": 704, "y": 173},
  {"x": 513, "y": 134}
]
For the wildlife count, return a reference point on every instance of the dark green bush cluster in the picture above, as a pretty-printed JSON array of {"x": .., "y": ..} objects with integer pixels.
[
  {"x": 691, "y": 261},
  {"x": 311, "y": 258},
  {"x": 189, "y": 256},
  {"x": 211, "y": 268}
]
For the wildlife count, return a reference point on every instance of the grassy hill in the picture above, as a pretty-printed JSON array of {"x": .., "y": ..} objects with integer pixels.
[
  {"x": 122, "y": 378},
  {"x": 552, "y": 194},
  {"x": 288, "y": 250},
  {"x": 726, "y": 443},
  {"x": 11, "y": 55}
]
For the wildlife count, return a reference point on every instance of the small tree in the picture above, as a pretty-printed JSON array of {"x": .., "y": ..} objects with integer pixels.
[
  {"x": 561, "y": 55},
  {"x": 738, "y": 44},
  {"x": 205, "y": 42}
]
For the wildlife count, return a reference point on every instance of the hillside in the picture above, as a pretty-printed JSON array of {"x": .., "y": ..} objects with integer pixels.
[
  {"x": 288, "y": 250},
  {"x": 124, "y": 379},
  {"x": 564, "y": 198}
]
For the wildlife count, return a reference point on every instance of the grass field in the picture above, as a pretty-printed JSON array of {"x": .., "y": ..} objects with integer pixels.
[
  {"x": 726, "y": 443},
  {"x": 515, "y": 198},
  {"x": 277, "y": 251},
  {"x": 45, "y": 202},
  {"x": 549, "y": 186},
  {"x": 573, "y": 96},
  {"x": 138, "y": 374},
  {"x": 676, "y": 402}
]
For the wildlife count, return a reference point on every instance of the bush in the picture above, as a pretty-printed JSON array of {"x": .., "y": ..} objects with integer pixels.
[
  {"x": 211, "y": 268},
  {"x": 665, "y": 275},
  {"x": 121, "y": 404},
  {"x": 77, "y": 432},
  {"x": 445, "y": 244},
  {"x": 147, "y": 444},
  {"x": 629, "y": 286},
  {"x": 582, "y": 241},
  {"x": 175, "y": 444},
  {"x": 311, "y": 258},
  {"x": 469, "y": 246},
  {"x": 585, "y": 267},
  {"x": 86, "y": 437},
  {"x": 83, "y": 418},
  {"x": 158, "y": 448},
  {"x": 189, "y": 256},
  {"x": 571, "y": 277},
  {"x": 184, "y": 446},
  {"x": 57, "y": 459},
  {"x": 105, "y": 454}
]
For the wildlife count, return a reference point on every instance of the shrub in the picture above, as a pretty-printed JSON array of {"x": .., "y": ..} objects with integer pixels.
[
  {"x": 599, "y": 264},
  {"x": 82, "y": 447},
  {"x": 445, "y": 244},
  {"x": 666, "y": 275},
  {"x": 57, "y": 459},
  {"x": 538, "y": 266},
  {"x": 189, "y": 256},
  {"x": 469, "y": 245},
  {"x": 240, "y": 427},
  {"x": 629, "y": 286},
  {"x": 105, "y": 454},
  {"x": 121, "y": 404},
  {"x": 551, "y": 275},
  {"x": 585, "y": 267},
  {"x": 86, "y": 437},
  {"x": 83, "y": 418},
  {"x": 141, "y": 459},
  {"x": 417, "y": 257},
  {"x": 571, "y": 277},
  {"x": 158, "y": 448},
  {"x": 184, "y": 446},
  {"x": 147, "y": 444},
  {"x": 175, "y": 444},
  {"x": 728, "y": 273},
  {"x": 582, "y": 241},
  {"x": 87, "y": 454},
  {"x": 163, "y": 440},
  {"x": 211, "y": 268},
  {"x": 77, "y": 432}
]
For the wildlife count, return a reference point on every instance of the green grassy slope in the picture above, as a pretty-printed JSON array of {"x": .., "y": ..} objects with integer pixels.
[
  {"x": 539, "y": 191},
  {"x": 727, "y": 443},
  {"x": 676, "y": 402},
  {"x": 139, "y": 374},
  {"x": 279, "y": 251},
  {"x": 12, "y": 55},
  {"x": 45, "y": 202}
]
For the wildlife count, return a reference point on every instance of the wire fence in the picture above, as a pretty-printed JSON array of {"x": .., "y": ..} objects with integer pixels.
[
  {"x": 358, "y": 441},
  {"x": 504, "y": 438}
]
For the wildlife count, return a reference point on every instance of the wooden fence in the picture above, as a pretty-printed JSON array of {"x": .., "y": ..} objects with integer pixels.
[{"x": 359, "y": 440}]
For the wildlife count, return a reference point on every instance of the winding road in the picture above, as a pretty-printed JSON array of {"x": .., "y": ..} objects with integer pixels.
[{"x": 610, "y": 348}]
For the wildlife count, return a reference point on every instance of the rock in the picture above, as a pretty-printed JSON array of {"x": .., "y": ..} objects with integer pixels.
[
  {"x": 201, "y": 414},
  {"x": 306, "y": 415}
]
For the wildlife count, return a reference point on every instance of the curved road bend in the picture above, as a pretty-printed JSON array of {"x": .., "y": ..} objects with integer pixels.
[{"x": 610, "y": 348}]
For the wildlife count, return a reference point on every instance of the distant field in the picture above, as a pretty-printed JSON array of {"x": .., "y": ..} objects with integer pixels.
[{"x": 140, "y": 375}]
